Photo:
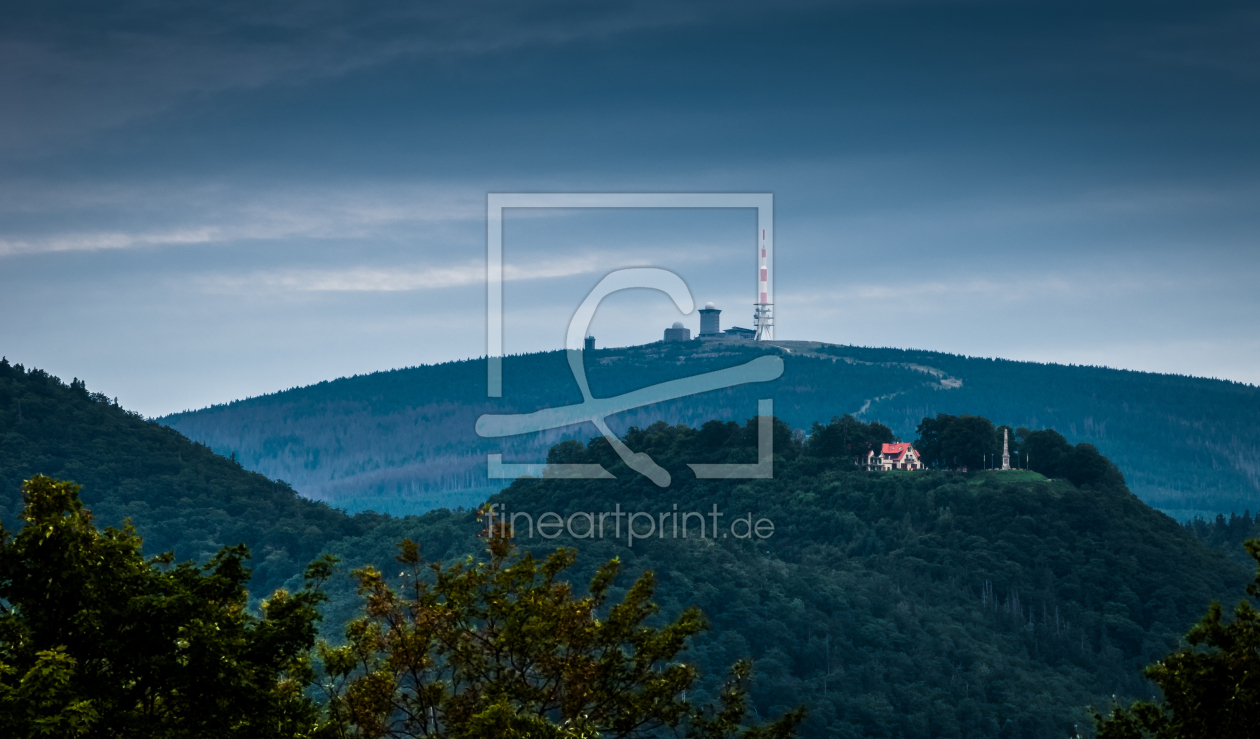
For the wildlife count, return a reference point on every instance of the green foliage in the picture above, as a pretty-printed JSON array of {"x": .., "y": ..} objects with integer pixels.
[
  {"x": 503, "y": 648},
  {"x": 1044, "y": 449},
  {"x": 963, "y": 442},
  {"x": 912, "y": 604},
  {"x": 97, "y": 641},
  {"x": 885, "y": 602},
  {"x": 973, "y": 442},
  {"x": 1211, "y": 688},
  {"x": 41, "y": 702},
  {"x": 1227, "y": 533},
  {"x": 845, "y": 438},
  {"x": 182, "y": 495},
  {"x": 1051, "y": 455}
]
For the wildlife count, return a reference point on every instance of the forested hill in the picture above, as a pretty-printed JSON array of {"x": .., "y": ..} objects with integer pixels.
[
  {"x": 404, "y": 440},
  {"x": 179, "y": 494},
  {"x": 893, "y": 604}
]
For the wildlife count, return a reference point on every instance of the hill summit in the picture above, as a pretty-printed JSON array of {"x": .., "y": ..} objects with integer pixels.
[
  {"x": 179, "y": 494},
  {"x": 404, "y": 440},
  {"x": 891, "y": 604}
]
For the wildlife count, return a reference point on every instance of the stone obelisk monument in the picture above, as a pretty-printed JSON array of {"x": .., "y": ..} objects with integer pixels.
[{"x": 1006, "y": 452}]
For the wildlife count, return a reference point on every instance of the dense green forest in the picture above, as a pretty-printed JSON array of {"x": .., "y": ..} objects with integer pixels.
[
  {"x": 1227, "y": 533},
  {"x": 900, "y": 604},
  {"x": 404, "y": 441},
  {"x": 180, "y": 494},
  {"x": 922, "y": 604},
  {"x": 892, "y": 604}
]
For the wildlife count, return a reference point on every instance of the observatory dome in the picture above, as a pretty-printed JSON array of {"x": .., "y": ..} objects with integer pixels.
[
  {"x": 677, "y": 324},
  {"x": 709, "y": 306}
]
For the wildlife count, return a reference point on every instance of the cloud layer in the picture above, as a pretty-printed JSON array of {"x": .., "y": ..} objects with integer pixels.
[{"x": 204, "y": 200}]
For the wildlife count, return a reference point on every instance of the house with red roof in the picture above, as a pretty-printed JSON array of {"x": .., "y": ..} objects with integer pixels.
[{"x": 894, "y": 457}]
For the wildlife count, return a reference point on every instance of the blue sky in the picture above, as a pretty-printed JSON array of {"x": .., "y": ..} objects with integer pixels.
[{"x": 207, "y": 201}]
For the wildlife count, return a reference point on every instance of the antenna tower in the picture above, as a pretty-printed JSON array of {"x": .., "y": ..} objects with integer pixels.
[{"x": 763, "y": 313}]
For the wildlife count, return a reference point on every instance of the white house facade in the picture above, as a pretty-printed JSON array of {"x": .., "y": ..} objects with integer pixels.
[{"x": 894, "y": 457}]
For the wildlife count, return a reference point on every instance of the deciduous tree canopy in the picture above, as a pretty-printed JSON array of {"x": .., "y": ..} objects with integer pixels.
[
  {"x": 97, "y": 641},
  {"x": 504, "y": 648},
  {"x": 113, "y": 644}
]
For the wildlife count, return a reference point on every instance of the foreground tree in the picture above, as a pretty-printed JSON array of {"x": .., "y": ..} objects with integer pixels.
[
  {"x": 504, "y": 649},
  {"x": 97, "y": 641},
  {"x": 1211, "y": 689}
]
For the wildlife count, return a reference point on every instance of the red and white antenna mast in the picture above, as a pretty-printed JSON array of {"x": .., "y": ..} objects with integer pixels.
[{"x": 763, "y": 315}]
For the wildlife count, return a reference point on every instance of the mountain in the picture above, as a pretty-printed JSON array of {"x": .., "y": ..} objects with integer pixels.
[
  {"x": 404, "y": 440},
  {"x": 901, "y": 604},
  {"x": 179, "y": 494},
  {"x": 990, "y": 604}
]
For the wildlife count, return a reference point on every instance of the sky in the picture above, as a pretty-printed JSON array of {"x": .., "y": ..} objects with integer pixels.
[{"x": 207, "y": 201}]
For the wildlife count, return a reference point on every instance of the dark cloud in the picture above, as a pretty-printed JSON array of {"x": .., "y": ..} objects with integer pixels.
[
  {"x": 73, "y": 68},
  {"x": 69, "y": 69}
]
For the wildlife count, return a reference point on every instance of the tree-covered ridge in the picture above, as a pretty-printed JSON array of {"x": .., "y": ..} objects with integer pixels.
[
  {"x": 973, "y": 442},
  {"x": 891, "y": 604},
  {"x": 1184, "y": 444},
  {"x": 938, "y": 599},
  {"x": 179, "y": 493}
]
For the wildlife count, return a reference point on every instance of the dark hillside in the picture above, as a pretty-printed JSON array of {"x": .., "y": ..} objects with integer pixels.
[
  {"x": 404, "y": 440},
  {"x": 893, "y": 604},
  {"x": 179, "y": 494},
  {"x": 1228, "y": 533}
]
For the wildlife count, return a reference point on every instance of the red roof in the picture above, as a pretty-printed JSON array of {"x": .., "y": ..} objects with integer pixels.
[{"x": 896, "y": 451}]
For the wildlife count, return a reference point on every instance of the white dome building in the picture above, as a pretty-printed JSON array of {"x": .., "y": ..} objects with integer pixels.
[{"x": 677, "y": 332}]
